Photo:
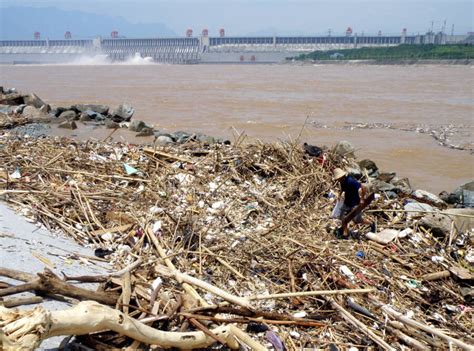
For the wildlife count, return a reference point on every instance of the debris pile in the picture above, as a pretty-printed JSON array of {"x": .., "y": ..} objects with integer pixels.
[{"x": 234, "y": 245}]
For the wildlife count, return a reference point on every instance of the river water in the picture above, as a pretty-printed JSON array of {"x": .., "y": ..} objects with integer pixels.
[{"x": 272, "y": 102}]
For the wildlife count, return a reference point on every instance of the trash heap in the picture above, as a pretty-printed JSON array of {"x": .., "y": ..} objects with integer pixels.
[{"x": 235, "y": 244}]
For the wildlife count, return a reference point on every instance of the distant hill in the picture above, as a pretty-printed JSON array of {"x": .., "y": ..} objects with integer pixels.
[{"x": 51, "y": 22}]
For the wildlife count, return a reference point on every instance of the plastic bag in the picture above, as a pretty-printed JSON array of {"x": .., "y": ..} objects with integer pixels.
[{"x": 336, "y": 212}]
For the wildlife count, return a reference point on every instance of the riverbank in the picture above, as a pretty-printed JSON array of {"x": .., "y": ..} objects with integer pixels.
[
  {"x": 456, "y": 52},
  {"x": 189, "y": 221},
  {"x": 387, "y": 61}
]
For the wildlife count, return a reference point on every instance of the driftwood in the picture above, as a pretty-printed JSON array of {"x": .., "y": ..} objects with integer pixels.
[
  {"x": 48, "y": 283},
  {"x": 104, "y": 277},
  {"x": 27, "y": 329},
  {"x": 184, "y": 278},
  {"x": 410, "y": 322}
]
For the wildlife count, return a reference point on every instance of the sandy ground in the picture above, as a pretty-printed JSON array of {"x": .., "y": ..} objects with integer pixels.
[{"x": 21, "y": 241}]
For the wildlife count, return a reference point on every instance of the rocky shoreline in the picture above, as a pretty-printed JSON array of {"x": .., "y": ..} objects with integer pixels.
[
  {"x": 232, "y": 242},
  {"x": 27, "y": 114}
]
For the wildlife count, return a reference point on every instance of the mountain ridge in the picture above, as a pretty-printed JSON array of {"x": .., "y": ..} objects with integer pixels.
[{"x": 20, "y": 22}]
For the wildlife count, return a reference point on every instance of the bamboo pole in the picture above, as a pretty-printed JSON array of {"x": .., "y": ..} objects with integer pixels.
[{"x": 311, "y": 293}]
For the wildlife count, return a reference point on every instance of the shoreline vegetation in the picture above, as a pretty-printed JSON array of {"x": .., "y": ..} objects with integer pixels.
[
  {"x": 231, "y": 243},
  {"x": 402, "y": 54}
]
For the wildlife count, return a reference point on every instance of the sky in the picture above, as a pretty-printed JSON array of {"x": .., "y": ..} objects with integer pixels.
[{"x": 280, "y": 17}]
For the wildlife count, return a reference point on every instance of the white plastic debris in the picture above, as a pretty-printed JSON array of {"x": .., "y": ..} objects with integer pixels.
[
  {"x": 107, "y": 236},
  {"x": 16, "y": 174},
  {"x": 347, "y": 272},
  {"x": 405, "y": 232},
  {"x": 437, "y": 259},
  {"x": 156, "y": 283},
  {"x": 157, "y": 227},
  {"x": 300, "y": 314}
]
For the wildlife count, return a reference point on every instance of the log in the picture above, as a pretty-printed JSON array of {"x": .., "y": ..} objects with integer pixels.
[
  {"x": 48, "y": 283},
  {"x": 104, "y": 277},
  {"x": 435, "y": 276},
  {"x": 27, "y": 329},
  {"x": 20, "y": 301}
]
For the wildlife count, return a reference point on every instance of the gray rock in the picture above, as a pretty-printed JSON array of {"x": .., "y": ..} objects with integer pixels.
[
  {"x": 137, "y": 126},
  {"x": 111, "y": 124},
  {"x": 12, "y": 99},
  {"x": 440, "y": 225},
  {"x": 417, "y": 206},
  {"x": 402, "y": 183},
  {"x": 146, "y": 131},
  {"x": 382, "y": 186},
  {"x": 93, "y": 114},
  {"x": 158, "y": 134},
  {"x": 19, "y": 109},
  {"x": 428, "y": 197},
  {"x": 123, "y": 113},
  {"x": 205, "y": 139},
  {"x": 182, "y": 137},
  {"x": 32, "y": 113},
  {"x": 84, "y": 117},
  {"x": 164, "y": 140},
  {"x": 68, "y": 115},
  {"x": 33, "y": 100},
  {"x": 345, "y": 149},
  {"x": 464, "y": 195},
  {"x": 58, "y": 110},
  {"x": 369, "y": 165},
  {"x": 68, "y": 125},
  {"x": 45, "y": 108},
  {"x": 102, "y": 109},
  {"x": 386, "y": 177},
  {"x": 465, "y": 222}
]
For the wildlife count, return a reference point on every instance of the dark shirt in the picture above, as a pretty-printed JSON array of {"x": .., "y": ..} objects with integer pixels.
[{"x": 351, "y": 187}]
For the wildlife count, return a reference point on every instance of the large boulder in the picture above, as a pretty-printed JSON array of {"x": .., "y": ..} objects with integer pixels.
[
  {"x": 465, "y": 222},
  {"x": 464, "y": 195},
  {"x": 123, "y": 113},
  {"x": 345, "y": 149},
  {"x": 182, "y": 137},
  {"x": 68, "y": 125},
  {"x": 164, "y": 140},
  {"x": 33, "y": 100},
  {"x": 33, "y": 113},
  {"x": 12, "y": 99},
  {"x": 68, "y": 115},
  {"x": 369, "y": 166},
  {"x": 137, "y": 126},
  {"x": 428, "y": 197},
  {"x": 439, "y": 224},
  {"x": 102, "y": 109},
  {"x": 94, "y": 115}
]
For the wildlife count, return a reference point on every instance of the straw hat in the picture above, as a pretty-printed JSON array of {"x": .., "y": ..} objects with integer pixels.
[{"x": 338, "y": 174}]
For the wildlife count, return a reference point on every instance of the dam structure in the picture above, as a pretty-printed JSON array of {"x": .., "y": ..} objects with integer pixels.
[{"x": 202, "y": 49}]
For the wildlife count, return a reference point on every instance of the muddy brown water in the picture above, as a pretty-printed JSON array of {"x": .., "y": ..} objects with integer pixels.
[{"x": 272, "y": 102}]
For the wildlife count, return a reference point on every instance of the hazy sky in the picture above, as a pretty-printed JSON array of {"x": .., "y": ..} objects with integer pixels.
[{"x": 240, "y": 17}]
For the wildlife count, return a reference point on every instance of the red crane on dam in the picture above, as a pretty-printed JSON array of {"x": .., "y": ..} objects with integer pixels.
[
  {"x": 222, "y": 32},
  {"x": 189, "y": 33},
  {"x": 205, "y": 32},
  {"x": 37, "y": 35},
  {"x": 67, "y": 35},
  {"x": 114, "y": 34}
]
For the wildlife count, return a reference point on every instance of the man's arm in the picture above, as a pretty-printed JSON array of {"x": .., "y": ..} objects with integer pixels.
[{"x": 362, "y": 191}]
